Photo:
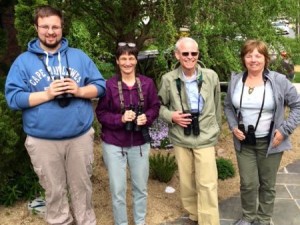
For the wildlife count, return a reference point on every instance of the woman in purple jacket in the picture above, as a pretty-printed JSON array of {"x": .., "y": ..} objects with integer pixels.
[{"x": 129, "y": 107}]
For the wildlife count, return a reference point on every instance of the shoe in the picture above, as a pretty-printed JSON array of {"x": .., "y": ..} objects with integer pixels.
[
  {"x": 190, "y": 222},
  {"x": 242, "y": 222}
]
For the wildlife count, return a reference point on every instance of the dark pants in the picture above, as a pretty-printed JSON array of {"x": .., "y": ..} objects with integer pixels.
[{"x": 257, "y": 181}]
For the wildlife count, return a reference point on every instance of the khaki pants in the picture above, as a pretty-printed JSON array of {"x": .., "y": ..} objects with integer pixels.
[
  {"x": 64, "y": 168},
  {"x": 198, "y": 183}
]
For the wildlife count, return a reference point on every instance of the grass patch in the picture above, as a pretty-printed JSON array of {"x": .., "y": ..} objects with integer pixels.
[{"x": 297, "y": 78}]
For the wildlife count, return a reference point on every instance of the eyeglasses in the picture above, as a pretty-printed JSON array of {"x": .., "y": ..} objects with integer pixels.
[
  {"x": 129, "y": 44},
  {"x": 46, "y": 28},
  {"x": 189, "y": 53}
]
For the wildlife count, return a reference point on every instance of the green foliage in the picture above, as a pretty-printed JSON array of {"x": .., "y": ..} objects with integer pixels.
[
  {"x": 221, "y": 28},
  {"x": 24, "y": 12},
  {"x": 168, "y": 32},
  {"x": 18, "y": 186},
  {"x": 162, "y": 167},
  {"x": 17, "y": 179},
  {"x": 297, "y": 77},
  {"x": 96, "y": 27},
  {"x": 11, "y": 131},
  {"x": 292, "y": 47},
  {"x": 80, "y": 37},
  {"x": 225, "y": 168}
]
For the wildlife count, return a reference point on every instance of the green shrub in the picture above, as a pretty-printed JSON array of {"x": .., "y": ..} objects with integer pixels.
[
  {"x": 225, "y": 168},
  {"x": 297, "y": 77},
  {"x": 162, "y": 167},
  {"x": 17, "y": 179}
]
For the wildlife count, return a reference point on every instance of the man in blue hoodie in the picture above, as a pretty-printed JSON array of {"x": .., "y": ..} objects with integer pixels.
[{"x": 53, "y": 85}]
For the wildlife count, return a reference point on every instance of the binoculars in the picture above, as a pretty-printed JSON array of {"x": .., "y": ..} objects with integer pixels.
[
  {"x": 63, "y": 99},
  {"x": 132, "y": 125},
  {"x": 250, "y": 134},
  {"x": 193, "y": 126}
]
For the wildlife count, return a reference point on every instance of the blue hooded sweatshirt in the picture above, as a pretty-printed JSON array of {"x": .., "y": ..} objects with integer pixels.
[{"x": 29, "y": 74}]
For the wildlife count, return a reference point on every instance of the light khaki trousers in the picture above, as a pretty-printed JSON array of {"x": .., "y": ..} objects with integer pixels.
[
  {"x": 198, "y": 183},
  {"x": 64, "y": 168}
]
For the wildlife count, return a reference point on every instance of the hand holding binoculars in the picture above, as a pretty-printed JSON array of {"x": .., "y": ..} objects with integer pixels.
[{"x": 65, "y": 98}]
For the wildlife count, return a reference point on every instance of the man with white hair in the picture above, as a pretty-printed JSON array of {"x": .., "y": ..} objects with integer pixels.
[{"x": 191, "y": 105}]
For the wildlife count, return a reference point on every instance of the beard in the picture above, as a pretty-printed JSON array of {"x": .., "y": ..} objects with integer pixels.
[{"x": 53, "y": 45}]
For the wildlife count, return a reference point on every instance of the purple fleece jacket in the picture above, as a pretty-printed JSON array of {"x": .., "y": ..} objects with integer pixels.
[{"x": 109, "y": 113}]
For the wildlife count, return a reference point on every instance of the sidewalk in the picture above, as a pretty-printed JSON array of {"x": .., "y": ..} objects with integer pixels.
[
  {"x": 287, "y": 202},
  {"x": 297, "y": 68}
]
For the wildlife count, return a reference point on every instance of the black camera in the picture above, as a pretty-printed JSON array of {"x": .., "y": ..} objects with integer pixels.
[
  {"x": 63, "y": 99},
  {"x": 193, "y": 126},
  {"x": 132, "y": 125},
  {"x": 250, "y": 138}
]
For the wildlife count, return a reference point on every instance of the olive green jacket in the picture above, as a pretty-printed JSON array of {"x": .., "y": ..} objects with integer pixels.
[{"x": 210, "y": 118}]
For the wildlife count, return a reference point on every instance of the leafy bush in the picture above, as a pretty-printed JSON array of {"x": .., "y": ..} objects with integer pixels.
[
  {"x": 297, "y": 78},
  {"x": 162, "y": 167},
  {"x": 17, "y": 179},
  {"x": 225, "y": 168}
]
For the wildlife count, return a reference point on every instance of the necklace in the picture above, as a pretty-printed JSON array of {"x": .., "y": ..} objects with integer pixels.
[{"x": 250, "y": 90}]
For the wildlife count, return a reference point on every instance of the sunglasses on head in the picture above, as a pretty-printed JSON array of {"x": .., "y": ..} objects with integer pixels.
[
  {"x": 129, "y": 44},
  {"x": 189, "y": 53}
]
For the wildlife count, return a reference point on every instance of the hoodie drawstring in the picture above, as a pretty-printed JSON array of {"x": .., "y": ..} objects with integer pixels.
[{"x": 59, "y": 65}]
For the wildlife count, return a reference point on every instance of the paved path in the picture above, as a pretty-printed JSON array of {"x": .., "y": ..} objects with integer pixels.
[
  {"x": 297, "y": 85},
  {"x": 287, "y": 202},
  {"x": 297, "y": 68}
]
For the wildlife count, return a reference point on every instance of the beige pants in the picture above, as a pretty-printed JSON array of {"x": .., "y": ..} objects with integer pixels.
[
  {"x": 64, "y": 168},
  {"x": 198, "y": 183}
]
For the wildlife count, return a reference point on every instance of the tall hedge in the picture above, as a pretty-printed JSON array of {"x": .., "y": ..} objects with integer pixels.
[{"x": 17, "y": 178}]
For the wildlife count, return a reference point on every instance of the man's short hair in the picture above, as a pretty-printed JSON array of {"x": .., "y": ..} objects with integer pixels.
[{"x": 46, "y": 11}]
